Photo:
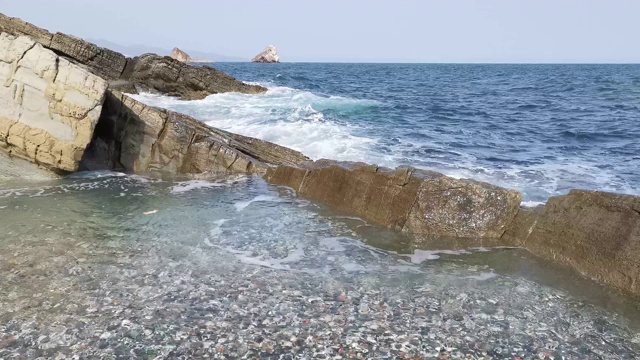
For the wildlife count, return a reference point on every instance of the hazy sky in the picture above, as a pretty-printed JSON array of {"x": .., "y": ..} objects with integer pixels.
[{"x": 364, "y": 30}]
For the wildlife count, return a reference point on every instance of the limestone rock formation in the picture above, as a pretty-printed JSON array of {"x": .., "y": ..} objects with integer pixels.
[
  {"x": 268, "y": 55},
  {"x": 159, "y": 74},
  {"x": 180, "y": 55},
  {"x": 422, "y": 203},
  {"x": 134, "y": 137},
  {"x": 48, "y": 106}
]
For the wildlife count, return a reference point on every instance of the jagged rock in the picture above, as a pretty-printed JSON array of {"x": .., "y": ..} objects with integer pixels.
[
  {"x": 134, "y": 137},
  {"x": 157, "y": 73},
  {"x": 268, "y": 55},
  {"x": 103, "y": 62},
  {"x": 596, "y": 233},
  {"x": 48, "y": 106},
  {"x": 180, "y": 55},
  {"x": 421, "y": 203}
]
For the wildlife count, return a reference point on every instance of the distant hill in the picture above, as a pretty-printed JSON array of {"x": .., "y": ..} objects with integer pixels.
[{"x": 135, "y": 50}]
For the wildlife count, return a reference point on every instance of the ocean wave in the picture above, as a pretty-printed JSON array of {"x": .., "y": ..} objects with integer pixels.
[{"x": 285, "y": 116}]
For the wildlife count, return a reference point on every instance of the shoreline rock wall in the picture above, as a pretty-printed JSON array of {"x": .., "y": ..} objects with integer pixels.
[{"x": 420, "y": 203}]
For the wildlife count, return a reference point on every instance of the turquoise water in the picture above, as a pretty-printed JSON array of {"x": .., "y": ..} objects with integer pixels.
[
  {"x": 541, "y": 129},
  {"x": 108, "y": 265}
]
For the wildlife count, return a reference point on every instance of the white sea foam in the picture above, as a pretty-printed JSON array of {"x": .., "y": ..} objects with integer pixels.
[
  {"x": 333, "y": 244},
  {"x": 186, "y": 186},
  {"x": 483, "y": 276},
  {"x": 420, "y": 256},
  {"x": 320, "y": 127},
  {"x": 285, "y": 116},
  {"x": 531, "y": 204},
  {"x": 241, "y": 205}
]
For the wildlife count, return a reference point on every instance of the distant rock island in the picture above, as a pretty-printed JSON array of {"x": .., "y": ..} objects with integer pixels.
[
  {"x": 268, "y": 55},
  {"x": 184, "y": 57}
]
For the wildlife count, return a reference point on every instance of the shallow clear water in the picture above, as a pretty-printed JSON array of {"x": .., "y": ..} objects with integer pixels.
[
  {"x": 233, "y": 267},
  {"x": 541, "y": 129}
]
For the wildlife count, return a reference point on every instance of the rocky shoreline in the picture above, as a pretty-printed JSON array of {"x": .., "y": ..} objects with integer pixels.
[{"x": 63, "y": 108}]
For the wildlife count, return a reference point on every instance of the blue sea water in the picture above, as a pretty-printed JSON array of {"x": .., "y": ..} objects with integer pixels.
[{"x": 541, "y": 129}]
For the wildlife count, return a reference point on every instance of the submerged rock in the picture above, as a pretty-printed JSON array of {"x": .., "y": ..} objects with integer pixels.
[
  {"x": 48, "y": 105},
  {"x": 180, "y": 55},
  {"x": 268, "y": 55}
]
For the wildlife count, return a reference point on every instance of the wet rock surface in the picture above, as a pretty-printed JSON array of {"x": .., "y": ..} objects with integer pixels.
[
  {"x": 597, "y": 233},
  {"x": 203, "y": 277},
  {"x": 418, "y": 202}
]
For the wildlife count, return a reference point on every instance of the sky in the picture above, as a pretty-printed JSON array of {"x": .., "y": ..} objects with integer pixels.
[{"x": 433, "y": 31}]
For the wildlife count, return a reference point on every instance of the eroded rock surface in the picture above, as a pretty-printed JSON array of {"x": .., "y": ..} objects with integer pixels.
[
  {"x": 597, "y": 233},
  {"x": 134, "y": 137},
  {"x": 48, "y": 106},
  {"x": 150, "y": 72},
  {"x": 417, "y": 202},
  {"x": 268, "y": 55},
  {"x": 162, "y": 74}
]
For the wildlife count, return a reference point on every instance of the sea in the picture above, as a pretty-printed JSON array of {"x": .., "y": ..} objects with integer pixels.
[
  {"x": 113, "y": 265},
  {"x": 540, "y": 129}
]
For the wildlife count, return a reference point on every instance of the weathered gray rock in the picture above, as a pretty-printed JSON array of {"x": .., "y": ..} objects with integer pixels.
[
  {"x": 158, "y": 74},
  {"x": 48, "y": 106},
  {"x": 596, "y": 233},
  {"x": 268, "y": 55},
  {"x": 134, "y": 137},
  {"x": 180, "y": 55},
  {"x": 421, "y": 203},
  {"x": 149, "y": 72}
]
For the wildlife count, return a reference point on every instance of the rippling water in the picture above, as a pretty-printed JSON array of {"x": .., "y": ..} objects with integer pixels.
[
  {"x": 111, "y": 265},
  {"x": 542, "y": 129}
]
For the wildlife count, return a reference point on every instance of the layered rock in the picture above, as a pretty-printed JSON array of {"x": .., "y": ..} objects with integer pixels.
[
  {"x": 156, "y": 73},
  {"x": 134, "y": 137},
  {"x": 49, "y": 107},
  {"x": 180, "y": 55},
  {"x": 421, "y": 203},
  {"x": 162, "y": 74},
  {"x": 268, "y": 55},
  {"x": 596, "y": 233}
]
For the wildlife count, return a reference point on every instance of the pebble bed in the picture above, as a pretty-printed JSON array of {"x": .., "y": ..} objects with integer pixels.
[{"x": 239, "y": 270}]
